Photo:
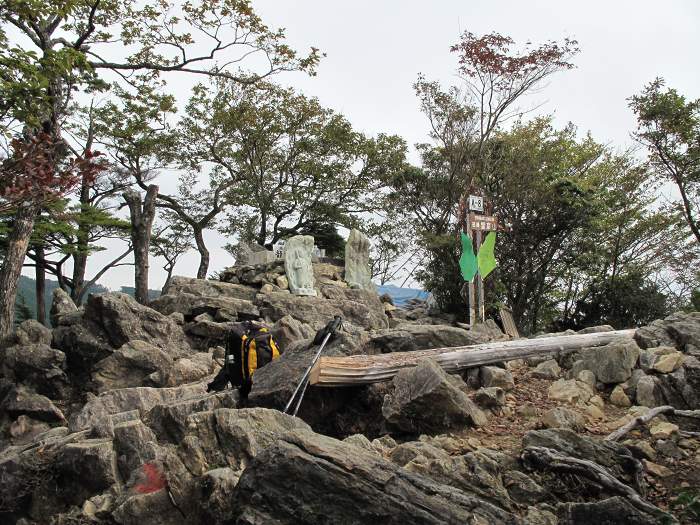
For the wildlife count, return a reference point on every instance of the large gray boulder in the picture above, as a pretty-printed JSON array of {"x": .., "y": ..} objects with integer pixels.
[
  {"x": 615, "y": 457},
  {"x": 288, "y": 330},
  {"x": 100, "y": 411},
  {"x": 612, "y": 363},
  {"x": 359, "y": 307},
  {"x": 123, "y": 319},
  {"x": 18, "y": 400},
  {"x": 309, "y": 478},
  {"x": 407, "y": 337},
  {"x": 328, "y": 410},
  {"x": 61, "y": 306},
  {"x": 680, "y": 330},
  {"x": 425, "y": 400},
  {"x": 207, "y": 288},
  {"x": 109, "y": 321},
  {"x": 38, "y": 366},
  {"x": 130, "y": 366}
]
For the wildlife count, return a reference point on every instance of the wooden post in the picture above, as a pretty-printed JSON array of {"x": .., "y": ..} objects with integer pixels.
[
  {"x": 480, "y": 283},
  {"x": 472, "y": 294}
]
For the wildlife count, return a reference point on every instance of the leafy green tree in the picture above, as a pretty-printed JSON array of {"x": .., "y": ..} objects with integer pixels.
[
  {"x": 628, "y": 301},
  {"x": 460, "y": 157},
  {"x": 170, "y": 241},
  {"x": 286, "y": 162},
  {"x": 326, "y": 237},
  {"x": 23, "y": 312},
  {"x": 63, "y": 46},
  {"x": 669, "y": 126}
]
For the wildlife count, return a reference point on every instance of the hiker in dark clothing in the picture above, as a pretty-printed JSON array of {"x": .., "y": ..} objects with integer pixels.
[{"x": 249, "y": 346}]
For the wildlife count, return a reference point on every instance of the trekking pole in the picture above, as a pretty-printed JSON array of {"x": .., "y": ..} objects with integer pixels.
[{"x": 330, "y": 329}]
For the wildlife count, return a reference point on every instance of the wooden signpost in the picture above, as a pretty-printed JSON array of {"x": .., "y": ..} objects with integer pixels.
[{"x": 476, "y": 224}]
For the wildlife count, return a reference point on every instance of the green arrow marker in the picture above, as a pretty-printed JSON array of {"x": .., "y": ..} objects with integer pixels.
[{"x": 467, "y": 262}]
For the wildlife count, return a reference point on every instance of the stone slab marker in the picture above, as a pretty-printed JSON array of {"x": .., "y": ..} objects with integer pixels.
[
  {"x": 357, "y": 272},
  {"x": 297, "y": 264}
]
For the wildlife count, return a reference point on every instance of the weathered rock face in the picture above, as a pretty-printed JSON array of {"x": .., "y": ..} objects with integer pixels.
[
  {"x": 27, "y": 360},
  {"x": 359, "y": 307},
  {"x": 288, "y": 330},
  {"x": 425, "y": 400},
  {"x": 17, "y": 400},
  {"x": 357, "y": 272},
  {"x": 191, "y": 306},
  {"x": 679, "y": 330},
  {"x": 611, "y": 510},
  {"x": 561, "y": 417},
  {"x": 330, "y": 410},
  {"x": 101, "y": 411},
  {"x": 615, "y": 457},
  {"x": 206, "y": 288},
  {"x": 111, "y": 320},
  {"x": 130, "y": 366},
  {"x": 612, "y": 363},
  {"x": 124, "y": 320},
  {"x": 313, "y": 479},
  {"x": 408, "y": 337},
  {"x": 61, "y": 305}
]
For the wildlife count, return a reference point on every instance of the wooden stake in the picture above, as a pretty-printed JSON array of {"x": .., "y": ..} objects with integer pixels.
[{"x": 480, "y": 283}]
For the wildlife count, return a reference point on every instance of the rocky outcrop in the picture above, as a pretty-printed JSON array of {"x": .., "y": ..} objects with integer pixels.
[
  {"x": 110, "y": 321},
  {"x": 612, "y": 363},
  {"x": 425, "y": 399},
  {"x": 359, "y": 307},
  {"x": 408, "y": 337},
  {"x": 28, "y": 359},
  {"x": 179, "y": 285},
  {"x": 310, "y": 479},
  {"x": 680, "y": 330}
]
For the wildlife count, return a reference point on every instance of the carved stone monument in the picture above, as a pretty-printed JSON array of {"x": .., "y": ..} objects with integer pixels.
[
  {"x": 243, "y": 254},
  {"x": 297, "y": 264},
  {"x": 357, "y": 272}
]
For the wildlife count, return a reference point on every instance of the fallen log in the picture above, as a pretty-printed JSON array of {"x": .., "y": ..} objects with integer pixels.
[
  {"x": 645, "y": 418},
  {"x": 365, "y": 369}
]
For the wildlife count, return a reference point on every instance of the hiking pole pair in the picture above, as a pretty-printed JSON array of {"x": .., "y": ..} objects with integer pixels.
[{"x": 325, "y": 334}]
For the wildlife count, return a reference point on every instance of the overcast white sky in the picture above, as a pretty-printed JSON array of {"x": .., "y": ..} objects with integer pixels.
[{"x": 375, "y": 49}]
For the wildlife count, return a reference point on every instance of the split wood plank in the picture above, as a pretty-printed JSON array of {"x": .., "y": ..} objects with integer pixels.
[
  {"x": 509, "y": 326},
  {"x": 365, "y": 369}
]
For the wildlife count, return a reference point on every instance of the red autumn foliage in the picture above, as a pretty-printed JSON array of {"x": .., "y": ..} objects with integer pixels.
[
  {"x": 491, "y": 56},
  {"x": 35, "y": 172},
  {"x": 154, "y": 479}
]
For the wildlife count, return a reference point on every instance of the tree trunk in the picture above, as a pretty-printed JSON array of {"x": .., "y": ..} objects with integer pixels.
[
  {"x": 365, "y": 369},
  {"x": 40, "y": 283},
  {"x": 17, "y": 244},
  {"x": 203, "y": 252},
  {"x": 142, "y": 215}
]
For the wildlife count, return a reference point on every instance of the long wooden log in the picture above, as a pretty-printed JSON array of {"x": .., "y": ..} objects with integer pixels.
[{"x": 365, "y": 369}]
